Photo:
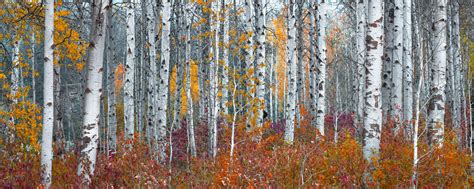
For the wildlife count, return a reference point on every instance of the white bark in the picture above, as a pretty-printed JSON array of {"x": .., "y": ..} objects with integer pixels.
[
  {"x": 388, "y": 58},
  {"x": 164, "y": 78},
  {"x": 90, "y": 133},
  {"x": 33, "y": 66},
  {"x": 417, "y": 106},
  {"x": 225, "y": 54},
  {"x": 190, "y": 110},
  {"x": 249, "y": 54},
  {"x": 291, "y": 63},
  {"x": 300, "y": 77},
  {"x": 261, "y": 64},
  {"x": 373, "y": 101},
  {"x": 436, "y": 109},
  {"x": 456, "y": 55},
  {"x": 213, "y": 75},
  {"x": 397, "y": 67},
  {"x": 111, "y": 123},
  {"x": 313, "y": 93},
  {"x": 128, "y": 88},
  {"x": 152, "y": 74},
  {"x": 407, "y": 65},
  {"x": 48, "y": 96},
  {"x": 361, "y": 53},
  {"x": 16, "y": 73},
  {"x": 322, "y": 60}
]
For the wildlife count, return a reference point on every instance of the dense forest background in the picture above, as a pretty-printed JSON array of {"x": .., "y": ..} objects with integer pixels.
[{"x": 249, "y": 93}]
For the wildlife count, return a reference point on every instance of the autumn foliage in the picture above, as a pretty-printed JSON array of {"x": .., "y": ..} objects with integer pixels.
[{"x": 313, "y": 161}]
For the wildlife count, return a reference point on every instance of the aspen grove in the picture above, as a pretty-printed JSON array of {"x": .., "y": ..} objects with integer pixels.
[{"x": 236, "y": 93}]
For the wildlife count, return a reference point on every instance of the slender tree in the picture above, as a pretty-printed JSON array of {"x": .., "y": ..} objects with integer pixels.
[
  {"x": 213, "y": 75},
  {"x": 93, "y": 91},
  {"x": 388, "y": 57},
  {"x": 361, "y": 53},
  {"x": 261, "y": 63},
  {"x": 373, "y": 64},
  {"x": 111, "y": 122},
  {"x": 397, "y": 62},
  {"x": 48, "y": 96},
  {"x": 163, "y": 81},
  {"x": 190, "y": 110},
  {"x": 291, "y": 63},
  {"x": 436, "y": 109},
  {"x": 322, "y": 60},
  {"x": 225, "y": 58},
  {"x": 152, "y": 74},
  {"x": 249, "y": 54},
  {"x": 313, "y": 93},
  {"x": 129, "y": 86},
  {"x": 407, "y": 66}
]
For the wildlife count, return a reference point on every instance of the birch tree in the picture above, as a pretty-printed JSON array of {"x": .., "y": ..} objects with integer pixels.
[
  {"x": 261, "y": 64},
  {"x": 397, "y": 61},
  {"x": 436, "y": 109},
  {"x": 407, "y": 65},
  {"x": 388, "y": 58},
  {"x": 111, "y": 123},
  {"x": 373, "y": 64},
  {"x": 189, "y": 98},
  {"x": 361, "y": 53},
  {"x": 456, "y": 59},
  {"x": 16, "y": 71},
  {"x": 48, "y": 96},
  {"x": 322, "y": 60},
  {"x": 225, "y": 54},
  {"x": 93, "y": 91},
  {"x": 291, "y": 63},
  {"x": 213, "y": 76},
  {"x": 152, "y": 73},
  {"x": 164, "y": 78},
  {"x": 249, "y": 52},
  {"x": 129, "y": 105},
  {"x": 313, "y": 63}
]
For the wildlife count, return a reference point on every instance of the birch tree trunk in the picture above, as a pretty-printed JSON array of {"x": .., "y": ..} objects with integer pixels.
[
  {"x": 300, "y": 84},
  {"x": 129, "y": 105},
  {"x": 225, "y": 54},
  {"x": 388, "y": 58},
  {"x": 189, "y": 98},
  {"x": 408, "y": 66},
  {"x": 361, "y": 53},
  {"x": 213, "y": 73},
  {"x": 436, "y": 109},
  {"x": 16, "y": 73},
  {"x": 164, "y": 78},
  {"x": 111, "y": 123},
  {"x": 456, "y": 55},
  {"x": 93, "y": 89},
  {"x": 261, "y": 64},
  {"x": 249, "y": 56},
  {"x": 373, "y": 64},
  {"x": 322, "y": 60},
  {"x": 48, "y": 96},
  {"x": 397, "y": 67},
  {"x": 152, "y": 75},
  {"x": 291, "y": 63},
  {"x": 313, "y": 94},
  {"x": 33, "y": 67}
]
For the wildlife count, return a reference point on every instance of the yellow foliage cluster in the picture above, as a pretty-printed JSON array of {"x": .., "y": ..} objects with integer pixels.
[
  {"x": 23, "y": 120},
  {"x": 279, "y": 41},
  {"x": 119, "y": 78},
  {"x": 194, "y": 86},
  {"x": 24, "y": 22}
]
